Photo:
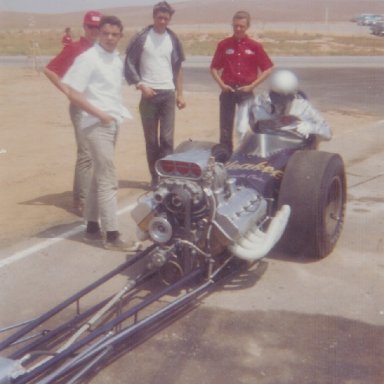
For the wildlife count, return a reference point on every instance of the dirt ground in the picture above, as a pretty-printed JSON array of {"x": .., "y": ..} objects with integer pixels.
[{"x": 37, "y": 149}]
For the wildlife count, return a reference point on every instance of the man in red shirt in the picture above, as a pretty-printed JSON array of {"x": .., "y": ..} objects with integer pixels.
[
  {"x": 239, "y": 65},
  {"x": 55, "y": 70}
]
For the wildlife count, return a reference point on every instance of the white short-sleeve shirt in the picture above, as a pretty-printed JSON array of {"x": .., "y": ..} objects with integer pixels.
[
  {"x": 155, "y": 63},
  {"x": 98, "y": 75}
]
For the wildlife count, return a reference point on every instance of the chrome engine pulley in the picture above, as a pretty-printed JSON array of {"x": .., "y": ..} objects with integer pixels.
[{"x": 160, "y": 230}]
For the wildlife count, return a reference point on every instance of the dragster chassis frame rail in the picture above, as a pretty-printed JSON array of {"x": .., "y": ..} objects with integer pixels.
[{"x": 66, "y": 353}]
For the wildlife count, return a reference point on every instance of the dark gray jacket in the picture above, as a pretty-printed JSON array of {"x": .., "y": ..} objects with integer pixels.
[{"x": 135, "y": 49}]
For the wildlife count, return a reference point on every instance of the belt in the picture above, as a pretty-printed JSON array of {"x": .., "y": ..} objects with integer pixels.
[{"x": 236, "y": 86}]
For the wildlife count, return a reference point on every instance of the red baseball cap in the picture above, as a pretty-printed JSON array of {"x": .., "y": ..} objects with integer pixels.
[{"x": 92, "y": 18}]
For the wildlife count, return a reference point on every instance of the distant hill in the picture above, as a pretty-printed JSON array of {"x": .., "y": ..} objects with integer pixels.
[{"x": 209, "y": 12}]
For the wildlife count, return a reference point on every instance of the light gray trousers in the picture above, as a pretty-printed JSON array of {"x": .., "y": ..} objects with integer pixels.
[
  {"x": 101, "y": 200},
  {"x": 83, "y": 167}
]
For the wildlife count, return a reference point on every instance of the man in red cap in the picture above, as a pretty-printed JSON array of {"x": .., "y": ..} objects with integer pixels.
[{"x": 55, "y": 70}]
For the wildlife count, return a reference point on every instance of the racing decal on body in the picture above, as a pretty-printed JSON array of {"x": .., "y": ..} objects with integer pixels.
[{"x": 264, "y": 167}]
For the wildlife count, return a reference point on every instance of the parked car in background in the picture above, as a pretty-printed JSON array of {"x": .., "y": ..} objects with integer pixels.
[
  {"x": 370, "y": 20},
  {"x": 377, "y": 28},
  {"x": 358, "y": 18}
]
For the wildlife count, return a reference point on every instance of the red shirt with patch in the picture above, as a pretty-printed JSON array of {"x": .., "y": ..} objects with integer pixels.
[
  {"x": 61, "y": 63},
  {"x": 240, "y": 60}
]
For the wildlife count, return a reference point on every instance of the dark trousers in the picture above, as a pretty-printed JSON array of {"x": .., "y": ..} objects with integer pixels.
[
  {"x": 158, "y": 119},
  {"x": 228, "y": 102}
]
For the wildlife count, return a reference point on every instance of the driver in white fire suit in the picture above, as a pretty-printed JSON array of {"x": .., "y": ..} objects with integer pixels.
[{"x": 282, "y": 99}]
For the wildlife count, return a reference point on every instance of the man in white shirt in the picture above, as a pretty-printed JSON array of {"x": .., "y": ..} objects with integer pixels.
[
  {"x": 94, "y": 84},
  {"x": 153, "y": 63}
]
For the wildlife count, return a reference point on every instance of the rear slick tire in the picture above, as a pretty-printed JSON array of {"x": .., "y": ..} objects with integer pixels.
[{"x": 314, "y": 186}]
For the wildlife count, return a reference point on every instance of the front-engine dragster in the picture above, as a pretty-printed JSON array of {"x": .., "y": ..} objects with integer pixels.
[
  {"x": 209, "y": 212},
  {"x": 275, "y": 187}
]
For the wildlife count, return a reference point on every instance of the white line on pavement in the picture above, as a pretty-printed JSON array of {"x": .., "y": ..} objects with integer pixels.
[{"x": 46, "y": 243}]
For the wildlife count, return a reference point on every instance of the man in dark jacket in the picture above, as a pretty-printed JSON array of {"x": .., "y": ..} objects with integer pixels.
[{"x": 153, "y": 64}]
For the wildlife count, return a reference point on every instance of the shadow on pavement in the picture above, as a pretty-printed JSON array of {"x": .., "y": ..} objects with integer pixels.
[{"x": 215, "y": 346}]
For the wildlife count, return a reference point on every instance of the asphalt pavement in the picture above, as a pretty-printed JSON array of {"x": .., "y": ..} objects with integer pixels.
[{"x": 330, "y": 82}]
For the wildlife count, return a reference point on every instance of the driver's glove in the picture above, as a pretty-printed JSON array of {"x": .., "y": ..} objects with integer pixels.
[{"x": 304, "y": 128}]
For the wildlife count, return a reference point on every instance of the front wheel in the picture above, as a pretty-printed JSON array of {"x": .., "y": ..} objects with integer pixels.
[{"x": 314, "y": 185}]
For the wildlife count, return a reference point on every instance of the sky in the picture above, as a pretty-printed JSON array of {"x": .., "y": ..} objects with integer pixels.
[{"x": 63, "y": 6}]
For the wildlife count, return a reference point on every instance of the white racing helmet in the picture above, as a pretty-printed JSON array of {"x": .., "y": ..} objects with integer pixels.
[{"x": 284, "y": 82}]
